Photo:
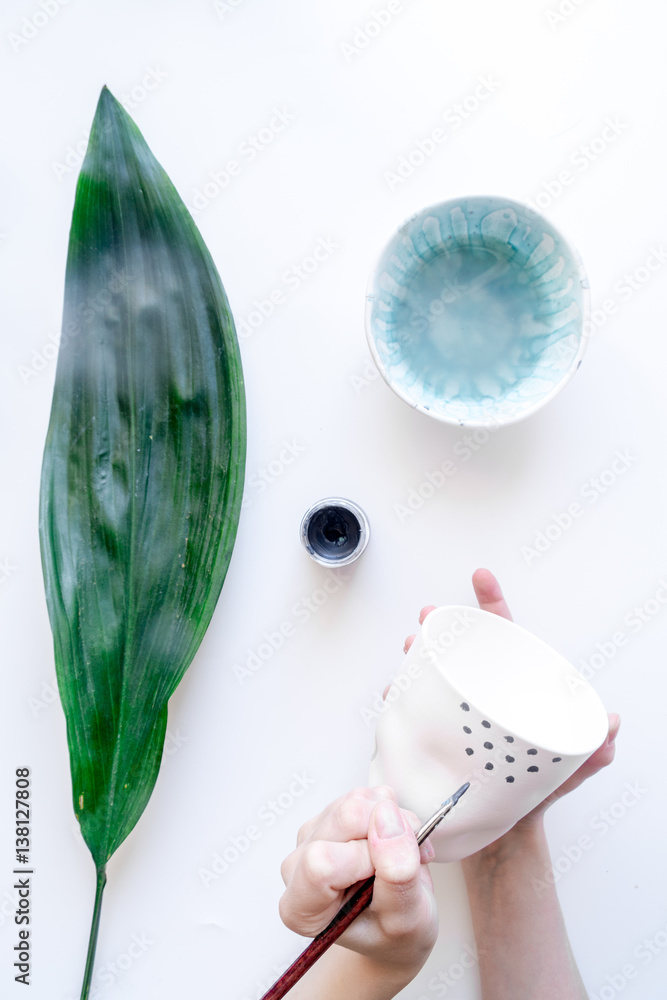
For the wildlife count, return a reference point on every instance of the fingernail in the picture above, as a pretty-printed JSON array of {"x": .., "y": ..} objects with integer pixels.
[
  {"x": 388, "y": 821},
  {"x": 615, "y": 729},
  {"x": 428, "y": 850}
]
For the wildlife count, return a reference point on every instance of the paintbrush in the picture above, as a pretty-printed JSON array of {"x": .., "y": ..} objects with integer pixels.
[{"x": 357, "y": 902}]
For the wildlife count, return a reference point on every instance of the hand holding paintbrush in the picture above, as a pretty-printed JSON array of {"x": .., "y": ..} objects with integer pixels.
[
  {"x": 390, "y": 824},
  {"x": 526, "y": 954}
]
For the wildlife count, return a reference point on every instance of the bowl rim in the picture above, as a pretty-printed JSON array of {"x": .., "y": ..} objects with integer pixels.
[{"x": 496, "y": 421}]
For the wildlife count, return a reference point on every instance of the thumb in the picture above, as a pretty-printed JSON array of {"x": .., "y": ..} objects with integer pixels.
[{"x": 398, "y": 892}]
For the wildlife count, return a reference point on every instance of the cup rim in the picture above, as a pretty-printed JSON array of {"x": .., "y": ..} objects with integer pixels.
[
  {"x": 509, "y": 625},
  {"x": 371, "y": 284}
]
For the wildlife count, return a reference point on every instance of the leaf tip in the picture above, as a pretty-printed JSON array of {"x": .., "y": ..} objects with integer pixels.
[{"x": 106, "y": 98}]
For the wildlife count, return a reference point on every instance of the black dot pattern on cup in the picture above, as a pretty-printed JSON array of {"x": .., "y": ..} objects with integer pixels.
[{"x": 503, "y": 766}]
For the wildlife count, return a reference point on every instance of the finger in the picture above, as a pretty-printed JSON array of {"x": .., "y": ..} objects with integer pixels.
[
  {"x": 426, "y": 850},
  {"x": 347, "y": 817},
  {"x": 426, "y": 853},
  {"x": 605, "y": 753},
  {"x": 307, "y": 828},
  {"x": 315, "y": 890},
  {"x": 602, "y": 757},
  {"x": 488, "y": 593},
  {"x": 426, "y": 610},
  {"x": 400, "y": 901}
]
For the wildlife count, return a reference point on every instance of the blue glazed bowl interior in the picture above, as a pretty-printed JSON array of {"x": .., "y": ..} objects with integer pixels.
[{"x": 475, "y": 311}]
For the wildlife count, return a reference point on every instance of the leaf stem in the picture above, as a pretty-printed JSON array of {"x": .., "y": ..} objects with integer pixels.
[{"x": 94, "y": 927}]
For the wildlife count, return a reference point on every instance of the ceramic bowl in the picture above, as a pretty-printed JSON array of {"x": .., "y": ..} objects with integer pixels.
[
  {"x": 475, "y": 311},
  {"x": 481, "y": 700}
]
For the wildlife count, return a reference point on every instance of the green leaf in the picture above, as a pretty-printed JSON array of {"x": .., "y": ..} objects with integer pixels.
[{"x": 143, "y": 471}]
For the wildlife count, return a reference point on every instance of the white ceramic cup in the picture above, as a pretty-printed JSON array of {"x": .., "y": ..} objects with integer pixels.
[{"x": 480, "y": 699}]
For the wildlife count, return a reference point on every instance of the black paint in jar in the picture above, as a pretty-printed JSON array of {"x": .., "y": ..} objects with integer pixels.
[{"x": 334, "y": 531}]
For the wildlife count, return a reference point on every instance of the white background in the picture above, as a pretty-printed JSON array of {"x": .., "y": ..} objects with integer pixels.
[{"x": 359, "y": 100}]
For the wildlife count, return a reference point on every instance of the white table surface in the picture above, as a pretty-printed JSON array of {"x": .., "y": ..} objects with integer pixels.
[{"x": 201, "y": 79}]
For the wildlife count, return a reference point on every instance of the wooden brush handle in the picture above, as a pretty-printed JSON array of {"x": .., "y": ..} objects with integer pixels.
[{"x": 357, "y": 902}]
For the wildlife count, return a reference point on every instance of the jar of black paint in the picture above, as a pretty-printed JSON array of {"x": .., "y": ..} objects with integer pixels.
[{"x": 334, "y": 531}]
